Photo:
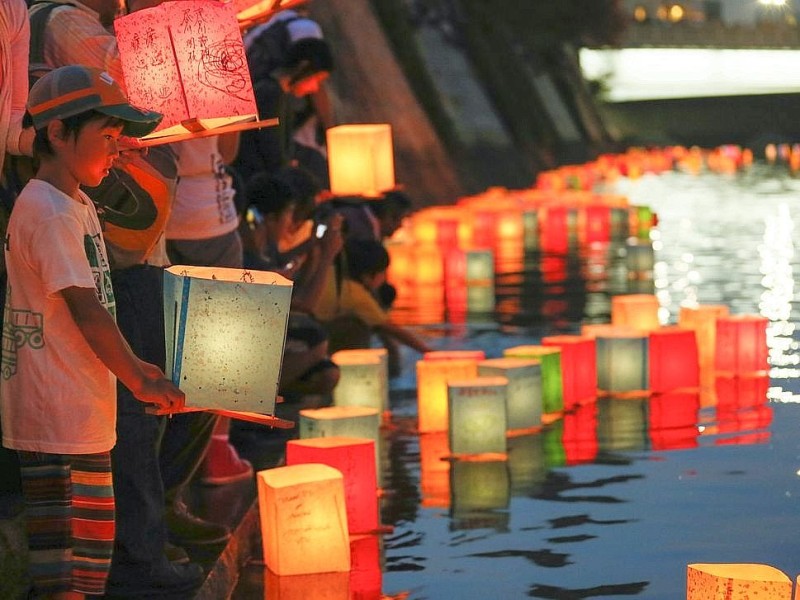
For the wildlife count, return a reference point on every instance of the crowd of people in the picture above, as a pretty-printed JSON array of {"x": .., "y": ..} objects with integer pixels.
[{"x": 89, "y": 228}]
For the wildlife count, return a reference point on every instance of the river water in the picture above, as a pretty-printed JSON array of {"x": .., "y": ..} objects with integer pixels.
[{"x": 617, "y": 499}]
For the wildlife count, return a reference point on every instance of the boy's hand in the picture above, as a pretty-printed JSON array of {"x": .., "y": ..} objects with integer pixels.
[{"x": 157, "y": 389}]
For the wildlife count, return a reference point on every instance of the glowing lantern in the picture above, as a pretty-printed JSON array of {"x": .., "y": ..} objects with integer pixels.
[
  {"x": 435, "y": 355},
  {"x": 355, "y": 458},
  {"x": 364, "y": 378},
  {"x": 621, "y": 361},
  {"x": 187, "y": 61},
  {"x": 524, "y": 390},
  {"x": 434, "y": 469},
  {"x": 595, "y": 223},
  {"x": 639, "y": 311},
  {"x": 432, "y": 378},
  {"x": 555, "y": 225},
  {"x": 332, "y": 586},
  {"x": 225, "y": 333},
  {"x": 673, "y": 359},
  {"x": 673, "y": 420},
  {"x": 477, "y": 413},
  {"x": 479, "y": 486},
  {"x": 365, "y": 572},
  {"x": 303, "y": 519},
  {"x": 742, "y": 344},
  {"x": 550, "y": 361},
  {"x": 736, "y": 582},
  {"x": 578, "y": 367},
  {"x": 340, "y": 421},
  {"x": 469, "y": 281},
  {"x": 703, "y": 320},
  {"x": 530, "y": 225},
  {"x": 360, "y": 159}
]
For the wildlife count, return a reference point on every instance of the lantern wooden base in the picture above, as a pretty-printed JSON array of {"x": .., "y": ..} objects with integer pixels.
[{"x": 201, "y": 133}]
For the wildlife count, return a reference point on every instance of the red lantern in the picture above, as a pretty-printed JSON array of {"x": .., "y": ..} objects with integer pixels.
[
  {"x": 673, "y": 359},
  {"x": 742, "y": 344},
  {"x": 578, "y": 367},
  {"x": 743, "y": 408},
  {"x": 673, "y": 420}
]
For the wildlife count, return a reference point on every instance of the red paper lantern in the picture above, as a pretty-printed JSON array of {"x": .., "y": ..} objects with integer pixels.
[
  {"x": 578, "y": 367},
  {"x": 355, "y": 458},
  {"x": 673, "y": 359},
  {"x": 742, "y": 344}
]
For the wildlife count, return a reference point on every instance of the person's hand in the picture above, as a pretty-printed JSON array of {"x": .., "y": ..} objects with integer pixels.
[
  {"x": 156, "y": 389},
  {"x": 128, "y": 152},
  {"x": 332, "y": 241}
]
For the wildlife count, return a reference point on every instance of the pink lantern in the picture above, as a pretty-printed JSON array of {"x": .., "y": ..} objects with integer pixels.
[
  {"x": 742, "y": 344},
  {"x": 355, "y": 458},
  {"x": 673, "y": 359},
  {"x": 186, "y": 59},
  {"x": 365, "y": 571},
  {"x": 578, "y": 367}
]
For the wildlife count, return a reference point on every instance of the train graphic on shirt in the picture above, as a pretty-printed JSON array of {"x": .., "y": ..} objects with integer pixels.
[{"x": 20, "y": 327}]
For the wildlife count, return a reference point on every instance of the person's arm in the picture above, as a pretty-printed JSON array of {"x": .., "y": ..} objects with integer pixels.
[
  {"x": 404, "y": 336},
  {"x": 228, "y": 146},
  {"x": 20, "y": 141},
  {"x": 315, "y": 272},
  {"x": 144, "y": 380}
]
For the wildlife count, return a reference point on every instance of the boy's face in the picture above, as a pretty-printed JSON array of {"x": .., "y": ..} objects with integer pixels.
[{"x": 89, "y": 155}]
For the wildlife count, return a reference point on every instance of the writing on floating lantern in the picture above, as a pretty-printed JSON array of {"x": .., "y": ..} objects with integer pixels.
[
  {"x": 360, "y": 159},
  {"x": 355, "y": 458},
  {"x": 303, "y": 519},
  {"x": 432, "y": 378},
  {"x": 703, "y": 320},
  {"x": 478, "y": 417},
  {"x": 736, "y": 582},
  {"x": 578, "y": 367},
  {"x": 673, "y": 359},
  {"x": 225, "y": 331},
  {"x": 364, "y": 378},
  {"x": 186, "y": 60},
  {"x": 552, "y": 387},
  {"x": 523, "y": 392},
  {"x": 639, "y": 311},
  {"x": 742, "y": 344}
]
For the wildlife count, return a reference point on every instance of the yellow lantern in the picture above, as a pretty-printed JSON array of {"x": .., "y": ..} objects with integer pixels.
[
  {"x": 524, "y": 391},
  {"x": 432, "y": 378},
  {"x": 186, "y": 60},
  {"x": 736, "y": 582},
  {"x": 360, "y": 159},
  {"x": 639, "y": 311},
  {"x": 303, "y": 519},
  {"x": 478, "y": 417},
  {"x": 225, "y": 333},
  {"x": 364, "y": 378},
  {"x": 703, "y": 320}
]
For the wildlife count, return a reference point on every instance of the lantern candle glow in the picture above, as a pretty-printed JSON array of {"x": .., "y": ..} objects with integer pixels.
[
  {"x": 364, "y": 378},
  {"x": 552, "y": 386},
  {"x": 360, "y": 159},
  {"x": 432, "y": 378},
  {"x": 478, "y": 417}
]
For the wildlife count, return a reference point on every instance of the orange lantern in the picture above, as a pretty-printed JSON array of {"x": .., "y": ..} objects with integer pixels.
[
  {"x": 673, "y": 359},
  {"x": 578, "y": 367},
  {"x": 639, "y": 311},
  {"x": 355, "y": 458},
  {"x": 742, "y": 344},
  {"x": 703, "y": 320},
  {"x": 360, "y": 159},
  {"x": 303, "y": 519},
  {"x": 478, "y": 416},
  {"x": 186, "y": 60},
  {"x": 736, "y": 582},
  {"x": 432, "y": 378}
]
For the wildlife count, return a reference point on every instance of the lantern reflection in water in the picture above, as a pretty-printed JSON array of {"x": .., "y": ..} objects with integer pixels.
[
  {"x": 366, "y": 578},
  {"x": 434, "y": 450},
  {"x": 330, "y": 586},
  {"x": 526, "y": 464},
  {"x": 742, "y": 408},
  {"x": 579, "y": 435},
  {"x": 622, "y": 424},
  {"x": 673, "y": 420},
  {"x": 469, "y": 282},
  {"x": 742, "y": 344},
  {"x": 477, "y": 487}
]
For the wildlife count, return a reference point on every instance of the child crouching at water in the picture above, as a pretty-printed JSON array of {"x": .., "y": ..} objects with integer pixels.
[{"x": 61, "y": 346}]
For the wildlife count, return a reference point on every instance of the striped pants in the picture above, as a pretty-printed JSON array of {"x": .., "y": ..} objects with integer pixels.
[{"x": 69, "y": 506}]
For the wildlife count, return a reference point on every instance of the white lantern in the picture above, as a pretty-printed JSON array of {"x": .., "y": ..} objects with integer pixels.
[
  {"x": 225, "y": 332},
  {"x": 364, "y": 378},
  {"x": 524, "y": 391},
  {"x": 477, "y": 414}
]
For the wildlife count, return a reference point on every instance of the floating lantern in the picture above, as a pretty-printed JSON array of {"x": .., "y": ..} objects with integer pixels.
[
  {"x": 477, "y": 413},
  {"x": 331, "y": 586},
  {"x": 556, "y": 226},
  {"x": 360, "y": 159},
  {"x": 186, "y": 60},
  {"x": 595, "y": 223},
  {"x": 736, "y": 582},
  {"x": 469, "y": 281},
  {"x": 673, "y": 359},
  {"x": 673, "y": 420},
  {"x": 578, "y": 367},
  {"x": 479, "y": 486},
  {"x": 432, "y": 378},
  {"x": 523, "y": 392},
  {"x": 340, "y": 421},
  {"x": 621, "y": 361},
  {"x": 639, "y": 311},
  {"x": 639, "y": 257},
  {"x": 434, "y": 468},
  {"x": 742, "y": 344},
  {"x": 225, "y": 334},
  {"x": 355, "y": 458},
  {"x": 364, "y": 378},
  {"x": 530, "y": 225},
  {"x": 550, "y": 361},
  {"x": 303, "y": 519},
  {"x": 703, "y": 320},
  {"x": 473, "y": 355}
]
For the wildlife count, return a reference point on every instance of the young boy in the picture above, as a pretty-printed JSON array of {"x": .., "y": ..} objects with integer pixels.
[
  {"x": 61, "y": 345},
  {"x": 348, "y": 306}
]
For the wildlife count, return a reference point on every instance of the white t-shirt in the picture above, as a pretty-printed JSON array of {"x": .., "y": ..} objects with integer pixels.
[
  {"x": 203, "y": 206},
  {"x": 56, "y": 396}
]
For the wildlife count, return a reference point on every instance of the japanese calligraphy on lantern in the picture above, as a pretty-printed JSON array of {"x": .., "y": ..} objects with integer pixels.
[{"x": 186, "y": 60}]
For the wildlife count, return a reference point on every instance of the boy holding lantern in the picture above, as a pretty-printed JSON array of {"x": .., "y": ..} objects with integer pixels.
[{"x": 61, "y": 346}]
